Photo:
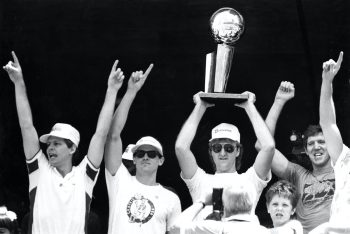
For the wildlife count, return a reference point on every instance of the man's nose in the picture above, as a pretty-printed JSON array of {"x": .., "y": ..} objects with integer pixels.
[
  {"x": 317, "y": 145},
  {"x": 222, "y": 151}
]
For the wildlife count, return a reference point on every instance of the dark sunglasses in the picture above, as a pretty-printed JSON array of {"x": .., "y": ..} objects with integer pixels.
[
  {"x": 229, "y": 148},
  {"x": 150, "y": 154}
]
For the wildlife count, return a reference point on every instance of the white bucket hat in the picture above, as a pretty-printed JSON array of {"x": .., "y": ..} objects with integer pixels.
[{"x": 127, "y": 153}]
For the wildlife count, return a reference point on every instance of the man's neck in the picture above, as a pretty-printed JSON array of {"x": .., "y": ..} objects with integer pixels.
[
  {"x": 64, "y": 170},
  {"x": 231, "y": 170},
  {"x": 322, "y": 170},
  {"x": 147, "y": 179}
]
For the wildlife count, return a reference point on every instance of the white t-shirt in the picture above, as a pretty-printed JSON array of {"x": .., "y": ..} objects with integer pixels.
[
  {"x": 135, "y": 208},
  {"x": 59, "y": 205},
  {"x": 340, "y": 210},
  {"x": 235, "y": 224},
  {"x": 292, "y": 226},
  {"x": 202, "y": 183}
]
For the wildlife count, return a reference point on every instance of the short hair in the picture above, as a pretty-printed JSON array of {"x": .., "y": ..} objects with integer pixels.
[
  {"x": 311, "y": 130},
  {"x": 238, "y": 158},
  {"x": 284, "y": 189},
  {"x": 238, "y": 198},
  {"x": 76, "y": 155}
]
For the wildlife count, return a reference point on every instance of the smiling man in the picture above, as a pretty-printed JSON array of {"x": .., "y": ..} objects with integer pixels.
[
  {"x": 225, "y": 151},
  {"x": 316, "y": 187}
]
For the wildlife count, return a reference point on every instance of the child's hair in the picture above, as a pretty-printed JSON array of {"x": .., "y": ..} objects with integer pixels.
[
  {"x": 285, "y": 189},
  {"x": 8, "y": 220}
]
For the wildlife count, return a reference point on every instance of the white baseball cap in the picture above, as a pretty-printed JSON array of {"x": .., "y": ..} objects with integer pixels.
[
  {"x": 225, "y": 130},
  {"x": 127, "y": 153},
  {"x": 148, "y": 140},
  {"x": 62, "y": 130}
]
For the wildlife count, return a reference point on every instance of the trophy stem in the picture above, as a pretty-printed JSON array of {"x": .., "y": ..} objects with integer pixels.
[
  {"x": 210, "y": 72},
  {"x": 224, "y": 57}
]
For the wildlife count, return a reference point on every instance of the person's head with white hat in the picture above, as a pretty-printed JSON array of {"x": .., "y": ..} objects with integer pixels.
[
  {"x": 62, "y": 142},
  {"x": 147, "y": 156},
  {"x": 225, "y": 149},
  {"x": 127, "y": 159}
]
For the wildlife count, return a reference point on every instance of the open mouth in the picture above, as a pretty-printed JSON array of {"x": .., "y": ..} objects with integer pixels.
[
  {"x": 318, "y": 155},
  {"x": 279, "y": 215},
  {"x": 52, "y": 156}
]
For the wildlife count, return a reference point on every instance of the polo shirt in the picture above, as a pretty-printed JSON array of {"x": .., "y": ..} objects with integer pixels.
[{"x": 59, "y": 205}]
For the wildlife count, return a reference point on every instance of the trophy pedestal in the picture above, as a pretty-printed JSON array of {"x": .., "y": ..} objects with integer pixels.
[{"x": 216, "y": 98}]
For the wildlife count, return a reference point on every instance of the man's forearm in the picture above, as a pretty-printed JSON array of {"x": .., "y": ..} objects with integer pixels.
[
  {"x": 261, "y": 131},
  {"x": 23, "y": 107},
  {"x": 189, "y": 128}
]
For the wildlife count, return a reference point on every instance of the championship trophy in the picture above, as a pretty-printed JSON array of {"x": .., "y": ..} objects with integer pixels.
[{"x": 227, "y": 26}]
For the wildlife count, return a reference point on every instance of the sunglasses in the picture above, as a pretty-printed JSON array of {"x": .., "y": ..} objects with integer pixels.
[
  {"x": 150, "y": 154},
  {"x": 229, "y": 148}
]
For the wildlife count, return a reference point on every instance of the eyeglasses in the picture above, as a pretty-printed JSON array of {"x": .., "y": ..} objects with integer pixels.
[
  {"x": 150, "y": 154},
  {"x": 229, "y": 148}
]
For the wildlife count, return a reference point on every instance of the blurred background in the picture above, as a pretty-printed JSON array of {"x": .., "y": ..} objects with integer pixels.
[{"x": 67, "y": 48}]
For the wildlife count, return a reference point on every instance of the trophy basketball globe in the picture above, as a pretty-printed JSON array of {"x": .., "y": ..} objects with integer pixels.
[{"x": 227, "y": 27}]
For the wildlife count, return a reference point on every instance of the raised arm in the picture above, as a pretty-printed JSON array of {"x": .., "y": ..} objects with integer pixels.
[
  {"x": 184, "y": 140},
  {"x": 113, "y": 155},
  {"x": 97, "y": 143},
  {"x": 30, "y": 136},
  {"x": 328, "y": 122},
  {"x": 284, "y": 93},
  {"x": 262, "y": 164}
]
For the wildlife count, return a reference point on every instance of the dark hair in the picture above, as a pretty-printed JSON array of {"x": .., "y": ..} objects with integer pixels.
[
  {"x": 238, "y": 158},
  {"x": 75, "y": 156},
  {"x": 311, "y": 130},
  {"x": 284, "y": 189},
  {"x": 6, "y": 222}
]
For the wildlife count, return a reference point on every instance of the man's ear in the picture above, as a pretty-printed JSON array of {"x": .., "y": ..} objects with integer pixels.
[
  {"x": 161, "y": 161},
  {"x": 238, "y": 151},
  {"x": 73, "y": 149}
]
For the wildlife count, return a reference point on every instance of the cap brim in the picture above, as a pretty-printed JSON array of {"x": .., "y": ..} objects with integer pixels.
[{"x": 45, "y": 137}]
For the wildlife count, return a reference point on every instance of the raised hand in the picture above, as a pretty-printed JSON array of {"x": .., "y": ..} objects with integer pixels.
[
  {"x": 198, "y": 100},
  {"x": 331, "y": 68},
  {"x": 285, "y": 92},
  {"x": 116, "y": 77},
  {"x": 14, "y": 69},
  {"x": 138, "y": 78},
  {"x": 250, "y": 101}
]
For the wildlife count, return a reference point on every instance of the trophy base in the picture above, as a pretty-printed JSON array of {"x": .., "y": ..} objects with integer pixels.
[{"x": 216, "y": 98}]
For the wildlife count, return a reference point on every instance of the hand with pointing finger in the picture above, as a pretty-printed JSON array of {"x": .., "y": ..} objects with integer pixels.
[
  {"x": 138, "y": 78},
  {"x": 14, "y": 69},
  {"x": 331, "y": 68},
  {"x": 116, "y": 77}
]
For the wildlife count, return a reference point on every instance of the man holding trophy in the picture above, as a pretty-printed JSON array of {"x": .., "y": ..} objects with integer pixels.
[{"x": 224, "y": 146}]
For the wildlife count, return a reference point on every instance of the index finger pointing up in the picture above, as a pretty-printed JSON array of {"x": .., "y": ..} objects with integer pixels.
[
  {"x": 340, "y": 58},
  {"x": 115, "y": 65},
  {"x": 149, "y": 69},
  {"x": 15, "y": 59}
]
